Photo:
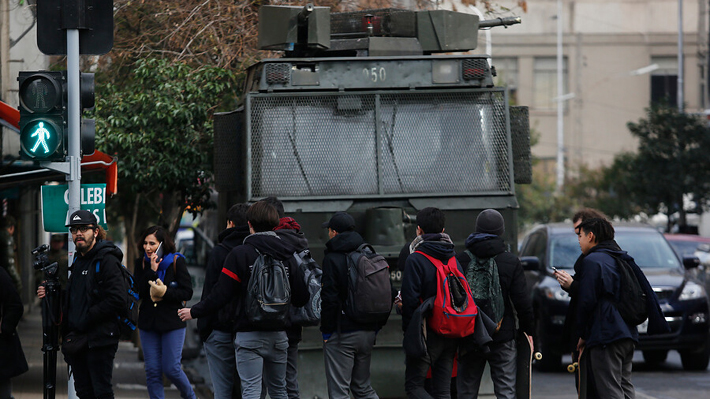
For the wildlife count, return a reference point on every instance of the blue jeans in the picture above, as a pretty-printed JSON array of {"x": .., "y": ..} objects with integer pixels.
[
  {"x": 220, "y": 351},
  {"x": 262, "y": 354},
  {"x": 163, "y": 353}
]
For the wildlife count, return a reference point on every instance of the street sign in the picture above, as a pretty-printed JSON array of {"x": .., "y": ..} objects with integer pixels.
[
  {"x": 55, "y": 205},
  {"x": 93, "y": 19}
]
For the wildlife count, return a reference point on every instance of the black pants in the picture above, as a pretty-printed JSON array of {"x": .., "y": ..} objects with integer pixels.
[
  {"x": 92, "y": 370},
  {"x": 441, "y": 351}
]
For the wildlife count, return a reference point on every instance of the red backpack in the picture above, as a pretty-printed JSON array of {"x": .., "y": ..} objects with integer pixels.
[{"x": 454, "y": 313}]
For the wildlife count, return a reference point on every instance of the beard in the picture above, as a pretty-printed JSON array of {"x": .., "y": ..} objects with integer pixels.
[{"x": 84, "y": 244}]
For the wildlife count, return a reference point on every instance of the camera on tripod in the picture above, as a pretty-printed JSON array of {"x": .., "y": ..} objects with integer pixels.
[{"x": 41, "y": 262}]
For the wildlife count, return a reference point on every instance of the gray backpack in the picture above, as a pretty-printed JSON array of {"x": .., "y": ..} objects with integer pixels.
[
  {"x": 369, "y": 297},
  {"x": 482, "y": 276},
  {"x": 268, "y": 297},
  {"x": 308, "y": 314}
]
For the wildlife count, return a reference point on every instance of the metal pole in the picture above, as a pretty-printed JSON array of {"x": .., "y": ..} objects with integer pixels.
[
  {"x": 560, "y": 103},
  {"x": 681, "y": 99},
  {"x": 74, "y": 154}
]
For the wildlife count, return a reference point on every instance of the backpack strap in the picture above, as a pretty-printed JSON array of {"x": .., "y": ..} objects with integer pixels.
[{"x": 438, "y": 263}]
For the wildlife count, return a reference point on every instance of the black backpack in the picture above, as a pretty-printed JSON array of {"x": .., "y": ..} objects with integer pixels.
[
  {"x": 268, "y": 296},
  {"x": 128, "y": 317},
  {"x": 632, "y": 305},
  {"x": 369, "y": 298},
  {"x": 308, "y": 314}
]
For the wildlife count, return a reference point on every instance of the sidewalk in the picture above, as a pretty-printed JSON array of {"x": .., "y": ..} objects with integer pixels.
[{"x": 128, "y": 374}]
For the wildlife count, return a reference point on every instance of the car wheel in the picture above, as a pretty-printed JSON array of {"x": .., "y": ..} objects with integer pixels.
[
  {"x": 655, "y": 357},
  {"x": 550, "y": 361},
  {"x": 695, "y": 360}
]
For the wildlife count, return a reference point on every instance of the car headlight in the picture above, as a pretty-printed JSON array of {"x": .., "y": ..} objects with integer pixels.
[
  {"x": 692, "y": 291},
  {"x": 556, "y": 293}
]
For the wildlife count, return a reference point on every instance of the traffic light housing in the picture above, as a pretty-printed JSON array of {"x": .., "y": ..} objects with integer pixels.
[{"x": 43, "y": 115}]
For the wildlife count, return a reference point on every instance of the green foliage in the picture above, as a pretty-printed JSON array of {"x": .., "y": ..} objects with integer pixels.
[
  {"x": 159, "y": 125},
  {"x": 671, "y": 162}
]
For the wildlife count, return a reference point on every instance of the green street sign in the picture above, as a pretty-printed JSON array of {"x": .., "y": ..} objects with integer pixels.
[{"x": 55, "y": 205}]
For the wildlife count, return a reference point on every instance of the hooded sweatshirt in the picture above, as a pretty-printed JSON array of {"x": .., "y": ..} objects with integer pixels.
[
  {"x": 419, "y": 280},
  {"x": 94, "y": 300},
  {"x": 236, "y": 272},
  {"x": 516, "y": 295}
]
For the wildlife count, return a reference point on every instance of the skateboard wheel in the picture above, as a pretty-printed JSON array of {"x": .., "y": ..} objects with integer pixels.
[
  {"x": 572, "y": 367},
  {"x": 538, "y": 356}
]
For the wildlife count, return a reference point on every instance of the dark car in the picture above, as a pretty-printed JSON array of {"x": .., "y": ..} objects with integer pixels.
[{"x": 682, "y": 297}]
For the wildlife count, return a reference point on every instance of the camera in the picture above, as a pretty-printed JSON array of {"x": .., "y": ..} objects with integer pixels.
[{"x": 41, "y": 262}]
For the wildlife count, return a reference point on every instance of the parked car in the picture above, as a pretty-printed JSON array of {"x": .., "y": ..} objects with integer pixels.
[
  {"x": 683, "y": 298},
  {"x": 689, "y": 245}
]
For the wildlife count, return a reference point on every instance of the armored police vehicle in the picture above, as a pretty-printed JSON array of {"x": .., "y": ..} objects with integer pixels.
[{"x": 379, "y": 113}]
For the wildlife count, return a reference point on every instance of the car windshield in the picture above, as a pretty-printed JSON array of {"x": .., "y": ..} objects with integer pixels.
[{"x": 648, "y": 249}]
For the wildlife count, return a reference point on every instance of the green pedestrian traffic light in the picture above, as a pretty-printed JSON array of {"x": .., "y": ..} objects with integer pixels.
[{"x": 43, "y": 115}]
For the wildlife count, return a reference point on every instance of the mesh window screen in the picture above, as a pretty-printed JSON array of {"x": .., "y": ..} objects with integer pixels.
[{"x": 326, "y": 145}]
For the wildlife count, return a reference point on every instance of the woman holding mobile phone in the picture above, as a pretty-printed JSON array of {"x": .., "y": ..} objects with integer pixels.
[{"x": 163, "y": 285}]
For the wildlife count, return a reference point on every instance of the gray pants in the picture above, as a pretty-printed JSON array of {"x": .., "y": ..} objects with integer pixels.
[
  {"x": 292, "y": 371},
  {"x": 347, "y": 365},
  {"x": 612, "y": 369},
  {"x": 262, "y": 354},
  {"x": 220, "y": 352},
  {"x": 502, "y": 361}
]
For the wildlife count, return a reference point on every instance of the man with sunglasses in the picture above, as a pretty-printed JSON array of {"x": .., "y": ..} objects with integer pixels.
[{"x": 92, "y": 301}]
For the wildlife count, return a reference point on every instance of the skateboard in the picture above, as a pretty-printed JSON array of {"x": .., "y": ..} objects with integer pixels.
[
  {"x": 582, "y": 378},
  {"x": 526, "y": 353}
]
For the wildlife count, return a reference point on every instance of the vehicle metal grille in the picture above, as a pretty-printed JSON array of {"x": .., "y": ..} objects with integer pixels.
[
  {"x": 474, "y": 69},
  {"x": 663, "y": 293},
  {"x": 278, "y": 73},
  {"x": 365, "y": 144}
]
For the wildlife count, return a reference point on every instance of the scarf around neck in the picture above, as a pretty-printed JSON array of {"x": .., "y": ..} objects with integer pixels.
[{"x": 164, "y": 264}]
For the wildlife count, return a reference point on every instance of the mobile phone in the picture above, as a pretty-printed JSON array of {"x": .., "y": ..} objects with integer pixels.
[{"x": 159, "y": 251}]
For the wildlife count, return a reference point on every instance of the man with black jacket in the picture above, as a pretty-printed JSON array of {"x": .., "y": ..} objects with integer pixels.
[
  {"x": 485, "y": 243},
  {"x": 93, "y": 302},
  {"x": 217, "y": 329},
  {"x": 347, "y": 344},
  {"x": 260, "y": 350},
  {"x": 419, "y": 284}
]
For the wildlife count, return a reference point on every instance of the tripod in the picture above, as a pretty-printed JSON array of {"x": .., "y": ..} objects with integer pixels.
[{"x": 51, "y": 319}]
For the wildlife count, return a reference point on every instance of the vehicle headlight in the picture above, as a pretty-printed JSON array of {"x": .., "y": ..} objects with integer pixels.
[
  {"x": 692, "y": 291},
  {"x": 557, "y": 294}
]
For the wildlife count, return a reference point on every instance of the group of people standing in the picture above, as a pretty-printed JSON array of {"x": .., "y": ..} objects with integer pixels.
[{"x": 264, "y": 359}]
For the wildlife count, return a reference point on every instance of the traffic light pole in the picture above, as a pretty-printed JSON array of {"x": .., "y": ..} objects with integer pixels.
[{"x": 74, "y": 145}]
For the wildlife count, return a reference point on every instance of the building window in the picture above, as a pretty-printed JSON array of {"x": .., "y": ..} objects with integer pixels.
[
  {"x": 545, "y": 82},
  {"x": 664, "y": 80},
  {"x": 507, "y": 70}
]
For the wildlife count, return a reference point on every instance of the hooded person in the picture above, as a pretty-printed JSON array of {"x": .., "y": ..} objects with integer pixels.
[
  {"x": 502, "y": 293},
  {"x": 261, "y": 350},
  {"x": 93, "y": 299}
]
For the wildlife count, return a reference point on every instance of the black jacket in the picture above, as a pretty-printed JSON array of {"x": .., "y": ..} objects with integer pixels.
[
  {"x": 512, "y": 283},
  {"x": 335, "y": 285},
  {"x": 162, "y": 316},
  {"x": 12, "y": 358},
  {"x": 236, "y": 273},
  {"x": 223, "y": 319},
  {"x": 105, "y": 290},
  {"x": 419, "y": 280}
]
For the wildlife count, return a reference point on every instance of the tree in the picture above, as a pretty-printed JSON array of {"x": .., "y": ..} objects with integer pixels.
[
  {"x": 670, "y": 165},
  {"x": 159, "y": 124}
]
